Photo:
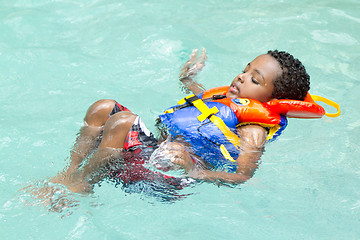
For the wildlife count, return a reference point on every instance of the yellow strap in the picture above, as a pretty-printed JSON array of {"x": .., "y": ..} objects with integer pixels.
[
  {"x": 201, "y": 106},
  {"x": 272, "y": 132},
  {"x": 207, "y": 112},
  {"x": 182, "y": 101},
  {"x": 171, "y": 110},
  {"x": 232, "y": 137},
  {"x": 328, "y": 102},
  {"x": 226, "y": 153}
]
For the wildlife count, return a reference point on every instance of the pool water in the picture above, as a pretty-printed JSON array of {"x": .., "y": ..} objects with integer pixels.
[{"x": 59, "y": 56}]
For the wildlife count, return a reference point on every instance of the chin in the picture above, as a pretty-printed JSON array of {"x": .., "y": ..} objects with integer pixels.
[{"x": 231, "y": 95}]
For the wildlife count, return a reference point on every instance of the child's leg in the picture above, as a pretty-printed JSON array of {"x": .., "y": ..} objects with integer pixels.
[
  {"x": 95, "y": 119},
  {"x": 115, "y": 132}
]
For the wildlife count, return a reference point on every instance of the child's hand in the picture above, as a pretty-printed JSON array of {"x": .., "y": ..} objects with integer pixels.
[
  {"x": 183, "y": 159},
  {"x": 178, "y": 155},
  {"x": 194, "y": 64}
]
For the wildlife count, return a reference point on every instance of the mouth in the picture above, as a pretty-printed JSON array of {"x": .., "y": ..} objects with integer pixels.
[{"x": 234, "y": 89}]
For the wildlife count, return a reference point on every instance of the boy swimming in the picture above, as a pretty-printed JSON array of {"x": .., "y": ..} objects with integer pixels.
[{"x": 112, "y": 131}]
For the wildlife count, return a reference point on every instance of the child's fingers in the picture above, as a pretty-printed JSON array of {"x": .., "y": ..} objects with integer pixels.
[
  {"x": 201, "y": 62},
  {"x": 192, "y": 59},
  {"x": 203, "y": 55},
  {"x": 194, "y": 64},
  {"x": 193, "y": 55}
]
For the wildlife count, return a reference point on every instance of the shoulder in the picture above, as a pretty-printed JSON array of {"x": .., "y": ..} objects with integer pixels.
[{"x": 254, "y": 135}]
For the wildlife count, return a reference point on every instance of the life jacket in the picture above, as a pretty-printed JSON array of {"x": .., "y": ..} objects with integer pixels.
[{"x": 209, "y": 121}]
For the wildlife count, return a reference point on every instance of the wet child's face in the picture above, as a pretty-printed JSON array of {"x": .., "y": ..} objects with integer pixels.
[{"x": 256, "y": 81}]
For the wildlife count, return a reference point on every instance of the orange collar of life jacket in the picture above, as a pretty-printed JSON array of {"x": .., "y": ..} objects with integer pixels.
[{"x": 253, "y": 111}]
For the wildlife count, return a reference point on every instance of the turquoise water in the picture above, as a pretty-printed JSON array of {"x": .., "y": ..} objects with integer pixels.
[{"x": 57, "y": 57}]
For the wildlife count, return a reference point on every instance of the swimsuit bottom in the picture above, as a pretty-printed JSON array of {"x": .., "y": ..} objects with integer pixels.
[{"x": 130, "y": 172}]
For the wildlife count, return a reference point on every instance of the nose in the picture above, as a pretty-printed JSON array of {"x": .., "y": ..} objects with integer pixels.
[{"x": 240, "y": 77}]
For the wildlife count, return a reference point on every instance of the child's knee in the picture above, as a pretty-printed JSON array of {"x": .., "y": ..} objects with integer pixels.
[
  {"x": 98, "y": 113},
  {"x": 116, "y": 129},
  {"x": 120, "y": 121}
]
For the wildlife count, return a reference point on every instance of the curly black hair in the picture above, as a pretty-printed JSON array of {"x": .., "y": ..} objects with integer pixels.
[{"x": 294, "y": 83}]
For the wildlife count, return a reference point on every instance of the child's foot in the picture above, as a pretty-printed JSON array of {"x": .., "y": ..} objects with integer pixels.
[{"x": 74, "y": 182}]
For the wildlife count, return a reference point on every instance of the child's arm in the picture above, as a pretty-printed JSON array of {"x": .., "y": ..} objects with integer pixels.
[
  {"x": 253, "y": 137},
  {"x": 189, "y": 71}
]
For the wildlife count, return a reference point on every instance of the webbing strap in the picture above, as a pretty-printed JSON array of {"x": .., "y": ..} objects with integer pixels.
[
  {"x": 232, "y": 137},
  {"x": 207, "y": 112},
  {"x": 226, "y": 153},
  {"x": 328, "y": 102},
  {"x": 200, "y": 105}
]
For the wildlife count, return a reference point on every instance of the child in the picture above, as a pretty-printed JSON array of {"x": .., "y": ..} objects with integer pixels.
[{"x": 275, "y": 75}]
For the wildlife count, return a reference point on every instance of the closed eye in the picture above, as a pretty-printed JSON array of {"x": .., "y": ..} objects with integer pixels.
[{"x": 255, "y": 81}]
